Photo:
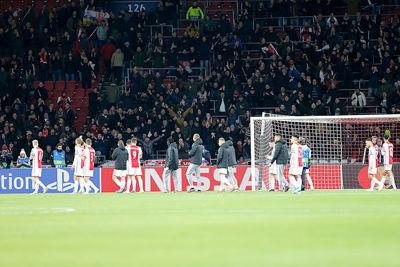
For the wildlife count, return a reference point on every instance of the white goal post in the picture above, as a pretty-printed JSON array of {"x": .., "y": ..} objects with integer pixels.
[{"x": 337, "y": 146}]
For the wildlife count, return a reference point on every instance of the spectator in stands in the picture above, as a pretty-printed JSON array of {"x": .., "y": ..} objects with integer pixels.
[
  {"x": 194, "y": 12},
  {"x": 117, "y": 61},
  {"x": 107, "y": 51},
  {"x": 63, "y": 100},
  {"x": 23, "y": 160},
  {"x": 358, "y": 100}
]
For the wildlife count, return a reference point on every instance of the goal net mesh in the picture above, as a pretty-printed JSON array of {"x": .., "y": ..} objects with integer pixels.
[{"x": 338, "y": 154}]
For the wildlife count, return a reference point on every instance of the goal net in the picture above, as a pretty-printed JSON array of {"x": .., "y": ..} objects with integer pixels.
[{"x": 339, "y": 158}]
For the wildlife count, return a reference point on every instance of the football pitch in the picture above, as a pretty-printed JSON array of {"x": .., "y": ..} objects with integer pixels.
[{"x": 319, "y": 228}]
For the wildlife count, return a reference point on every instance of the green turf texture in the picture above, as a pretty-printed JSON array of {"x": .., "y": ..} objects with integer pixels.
[{"x": 320, "y": 228}]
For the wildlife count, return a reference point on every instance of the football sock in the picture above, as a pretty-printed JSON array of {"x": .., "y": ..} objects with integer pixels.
[
  {"x": 271, "y": 183},
  {"x": 133, "y": 184},
  {"x": 118, "y": 182},
  {"x": 76, "y": 184},
  {"x": 35, "y": 185},
  {"x": 309, "y": 181},
  {"x": 122, "y": 182},
  {"x": 383, "y": 181},
  {"x": 372, "y": 184},
  {"x": 299, "y": 182},
  {"x": 293, "y": 181},
  {"x": 82, "y": 184},
  {"x": 140, "y": 180},
  {"x": 128, "y": 184},
  {"x": 376, "y": 181},
  {"x": 40, "y": 183},
  {"x": 91, "y": 184},
  {"x": 393, "y": 182}
]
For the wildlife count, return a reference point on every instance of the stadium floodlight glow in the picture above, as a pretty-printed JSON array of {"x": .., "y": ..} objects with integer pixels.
[{"x": 337, "y": 144}]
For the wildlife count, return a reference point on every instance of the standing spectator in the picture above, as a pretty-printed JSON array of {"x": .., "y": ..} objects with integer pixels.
[
  {"x": 56, "y": 67},
  {"x": 194, "y": 12},
  {"x": 86, "y": 72},
  {"x": 102, "y": 33},
  {"x": 59, "y": 157},
  {"x": 43, "y": 65},
  {"x": 107, "y": 51},
  {"x": 117, "y": 61}
]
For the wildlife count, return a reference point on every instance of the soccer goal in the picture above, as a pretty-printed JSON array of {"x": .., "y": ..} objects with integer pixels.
[{"x": 337, "y": 143}]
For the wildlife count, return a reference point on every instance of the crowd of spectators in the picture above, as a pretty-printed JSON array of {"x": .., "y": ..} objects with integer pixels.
[{"x": 299, "y": 66}]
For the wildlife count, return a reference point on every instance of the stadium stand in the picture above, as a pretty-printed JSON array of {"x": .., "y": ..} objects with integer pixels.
[{"x": 162, "y": 74}]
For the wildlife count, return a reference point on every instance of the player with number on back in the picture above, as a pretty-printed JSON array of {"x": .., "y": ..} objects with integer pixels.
[
  {"x": 372, "y": 164},
  {"x": 296, "y": 164},
  {"x": 387, "y": 152},
  {"x": 133, "y": 168},
  {"x": 36, "y": 157},
  {"x": 88, "y": 158}
]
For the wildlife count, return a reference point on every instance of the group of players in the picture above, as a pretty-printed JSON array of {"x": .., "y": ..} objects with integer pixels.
[
  {"x": 83, "y": 166},
  {"x": 127, "y": 165},
  {"x": 300, "y": 155},
  {"x": 373, "y": 162}
]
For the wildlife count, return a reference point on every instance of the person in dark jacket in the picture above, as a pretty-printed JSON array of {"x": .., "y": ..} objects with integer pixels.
[
  {"x": 231, "y": 163},
  {"x": 171, "y": 165},
  {"x": 120, "y": 155},
  {"x": 196, "y": 154},
  {"x": 281, "y": 157},
  {"x": 223, "y": 163}
]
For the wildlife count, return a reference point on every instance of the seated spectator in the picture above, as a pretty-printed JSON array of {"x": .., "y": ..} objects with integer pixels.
[
  {"x": 23, "y": 160},
  {"x": 358, "y": 100}
]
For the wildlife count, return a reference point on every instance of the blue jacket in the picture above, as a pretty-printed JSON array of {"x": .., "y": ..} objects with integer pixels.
[
  {"x": 306, "y": 156},
  {"x": 59, "y": 159}
]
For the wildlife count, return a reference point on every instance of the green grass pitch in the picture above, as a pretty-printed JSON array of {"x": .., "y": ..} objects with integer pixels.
[{"x": 320, "y": 228}]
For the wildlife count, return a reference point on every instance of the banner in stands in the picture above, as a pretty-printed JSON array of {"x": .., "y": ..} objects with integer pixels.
[
  {"x": 96, "y": 17},
  {"x": 133, "y": 6},
  {"x": 14, "y": 181}
]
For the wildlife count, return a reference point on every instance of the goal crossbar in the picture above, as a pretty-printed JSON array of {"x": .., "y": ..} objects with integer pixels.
[{"x": 266, "y": 128}]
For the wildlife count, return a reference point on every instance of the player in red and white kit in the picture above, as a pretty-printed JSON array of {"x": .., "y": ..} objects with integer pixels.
[
  {"x": 387, "y": 153},
  {"x": 372, "y": 164},
  {"x": 134, "y": 170},
  {"x": 88, "y": 157},
  {"x": 36, "y": 157},
  {"x": 296, "y": 164},
  {"x": 77, "y": 166}
]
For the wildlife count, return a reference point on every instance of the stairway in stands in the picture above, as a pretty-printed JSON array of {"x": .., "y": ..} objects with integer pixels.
[{"x": 80, "y": 101}]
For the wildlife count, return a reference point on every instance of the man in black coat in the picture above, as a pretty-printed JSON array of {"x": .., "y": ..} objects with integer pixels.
[
  {"x": 281, "y": 157},
  {"x": 171, "y": 165},
  {"x": 223, "y": 164},
  {"x": 120, "y": 155},
  {"x": 196, "y": 159}
]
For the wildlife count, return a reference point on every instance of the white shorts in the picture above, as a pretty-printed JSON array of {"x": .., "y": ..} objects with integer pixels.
[
  {"x": 223, "y": 171},
  {"x": 78, "y": 172},
  {"x": 273, "y": 170},
  {"x": 36, "y": 172},
  {"x": 388, "y": 167},
  {"x": 307, "y": 171},
  {"x": 87, "y": 173},
  {"x": 372, "y": 170},
  {"x": 134, "y": 171},
  {"x": 295, "y": 170},
  {"x": 119, "y": 173}
]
